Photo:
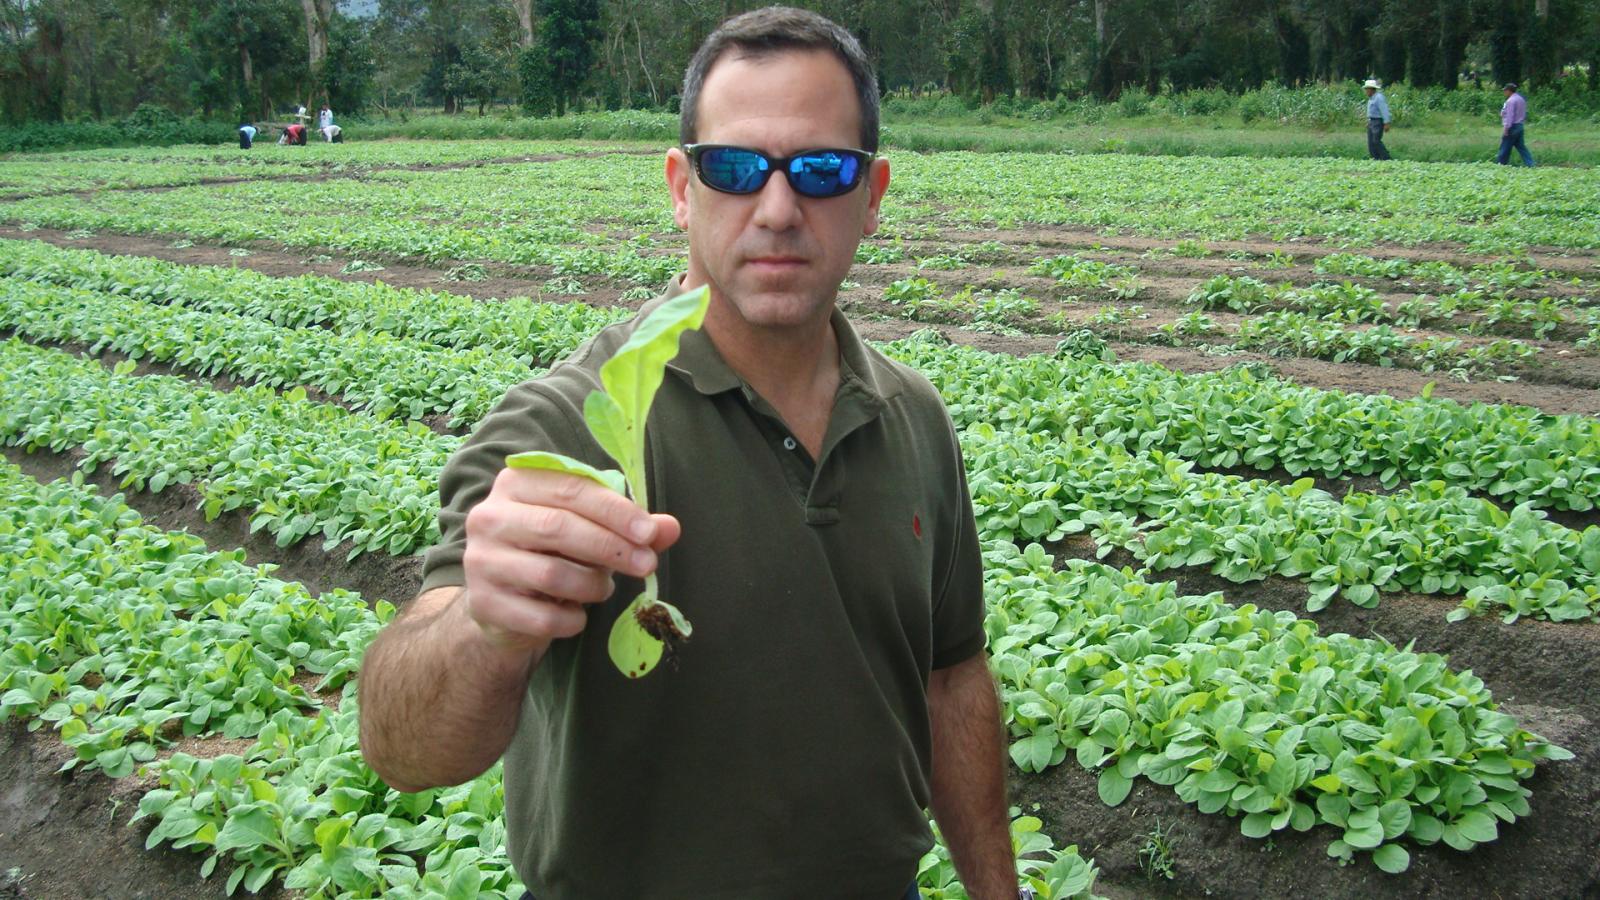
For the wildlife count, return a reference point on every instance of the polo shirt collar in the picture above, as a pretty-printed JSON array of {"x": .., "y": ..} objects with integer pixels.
[{"x": 700, "y": 362}]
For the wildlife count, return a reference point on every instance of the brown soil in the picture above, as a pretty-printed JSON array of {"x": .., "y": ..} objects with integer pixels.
[
  {"x": 65, "y": 836},
  {"x": 1547, "y": 675}
]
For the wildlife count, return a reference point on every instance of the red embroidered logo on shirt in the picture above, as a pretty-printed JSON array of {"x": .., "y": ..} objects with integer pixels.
[{"x": 916, "y": 525}]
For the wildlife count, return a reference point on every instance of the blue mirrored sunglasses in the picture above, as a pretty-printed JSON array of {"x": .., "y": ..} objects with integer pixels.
[{"x": 812, "y": 173}]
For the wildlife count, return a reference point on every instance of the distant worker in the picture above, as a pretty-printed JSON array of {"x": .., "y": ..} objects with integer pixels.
[
  {"x": 333, "y": 134},
  {"x": 1378, "y": 120},
  {"x": 1513, "y": 115},
  {"x": 300, "y": 111},
  {"x": 295, "y": 134},
  {"x": 247, "y": 136},
  {"x": 324, "y": 118}
]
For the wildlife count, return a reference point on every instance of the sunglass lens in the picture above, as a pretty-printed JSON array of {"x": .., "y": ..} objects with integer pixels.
[
  {"x": 824, "y": 174},
  {"x": 733, "y": 169}
]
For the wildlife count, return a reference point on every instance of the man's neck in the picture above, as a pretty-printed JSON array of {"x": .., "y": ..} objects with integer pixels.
[{"x": 795, "y": 369}]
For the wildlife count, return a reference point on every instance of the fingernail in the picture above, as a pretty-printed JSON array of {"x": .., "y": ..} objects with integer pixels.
[
  {"x": 643, "y": 529},
  {"x": 643, "y": 560}
]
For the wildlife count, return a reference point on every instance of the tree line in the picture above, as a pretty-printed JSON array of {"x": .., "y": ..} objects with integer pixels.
[{"x": 75, "y": 60}]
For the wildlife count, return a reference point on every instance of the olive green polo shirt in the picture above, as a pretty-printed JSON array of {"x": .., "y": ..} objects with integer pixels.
[{"x": 784, "y": 751}]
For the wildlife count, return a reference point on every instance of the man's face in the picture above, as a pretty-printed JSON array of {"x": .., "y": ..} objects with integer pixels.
[
  {"x": 774, "y": 258},
  {"x": 1370, "y": 91}
]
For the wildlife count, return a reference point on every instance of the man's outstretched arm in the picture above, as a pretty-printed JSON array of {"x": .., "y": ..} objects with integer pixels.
[
  {"x": 442, "y": 685},
  {"x": 969, "y": 777}
]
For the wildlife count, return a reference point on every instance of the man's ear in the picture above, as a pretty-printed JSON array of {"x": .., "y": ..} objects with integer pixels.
[
  {"x": 877, "y": 184},
  {"x": 678, "y": 186}
]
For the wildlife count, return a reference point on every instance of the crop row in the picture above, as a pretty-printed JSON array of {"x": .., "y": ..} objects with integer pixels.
[
  {"x": 1288, "y": 333},
  {"x": 1493, "y": 276},
  {"x": 165, "y": 167},
  {"x": 1353, "y": 303},
  {"x": 1236, "y": 417},
  {"x": 537, "y": 333},
  {"x": 124, "y": 638},
  {"x": 296, "y": 467},
  {"x": 1281, "y": 332},
  {"x": 371, "y": 370},
  {"x": 1248, "y": 712},
  {"x": 1427, "y": 538}
]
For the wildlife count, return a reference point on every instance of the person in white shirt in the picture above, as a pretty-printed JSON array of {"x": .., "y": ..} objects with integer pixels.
[{"x": 1378, "y": 119}]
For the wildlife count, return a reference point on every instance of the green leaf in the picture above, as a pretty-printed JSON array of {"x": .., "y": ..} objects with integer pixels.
[
  {"x": 1256, "y": 825},
  {"x": 1392, "y": 858},
  {"x": 247, "y": 828},
  {"x": 1395, "y": 817},
  {"x": 555, "y": 462},
  {"x": 1114, "y": 786},
  {"x": 1478, "y": 827},
  {"x": 634, "y": 373},
  {"x": 1363, "y": 838}
]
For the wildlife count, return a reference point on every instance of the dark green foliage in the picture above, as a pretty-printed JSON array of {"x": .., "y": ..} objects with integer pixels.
[
  {"x": 555, "y": 67},
  {"x": 77, "y": 60}
]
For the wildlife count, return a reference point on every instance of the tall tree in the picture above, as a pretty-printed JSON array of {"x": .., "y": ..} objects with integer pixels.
[
  {"x": 554, "y": 69},
  {"x": 319, "y": 14}
]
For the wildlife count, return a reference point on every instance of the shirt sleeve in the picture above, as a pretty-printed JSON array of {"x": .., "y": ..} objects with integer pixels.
[
  {"x": 958, "y": 607},
  {"x": 529, "y": 417}
]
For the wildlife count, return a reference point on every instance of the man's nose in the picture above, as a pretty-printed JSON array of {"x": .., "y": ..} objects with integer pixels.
[{"x": 777, "y": 205}]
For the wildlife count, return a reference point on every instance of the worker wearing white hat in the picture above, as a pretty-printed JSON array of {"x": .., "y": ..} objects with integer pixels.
[{"x": 1378, "y": 119}]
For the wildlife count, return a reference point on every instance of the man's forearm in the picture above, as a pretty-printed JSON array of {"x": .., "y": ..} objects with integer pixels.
[
  {"x": 439, "y": 704},
  {"x": 969, "y": 778}
]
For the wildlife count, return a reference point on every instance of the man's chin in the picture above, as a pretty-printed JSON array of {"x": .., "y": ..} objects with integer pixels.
[{"x": 783, "y": 309}]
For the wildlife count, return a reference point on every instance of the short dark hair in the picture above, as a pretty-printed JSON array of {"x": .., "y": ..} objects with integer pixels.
[
  {"x": 764, "y": 32},
  {"x": 1510, "y": 86}
]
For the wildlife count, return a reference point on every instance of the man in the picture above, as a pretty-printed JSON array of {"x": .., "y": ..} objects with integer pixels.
[
  {"x": 294, "y": 135},
  {"x": 836, "y": 682},
  {"x": 1378, "y": 119},
  {"x": 333, "y": 134},
  {"x": 247, "y": 136},
  {"x": 1513, "y": 116},
  {"x": 325, "y": 117}
]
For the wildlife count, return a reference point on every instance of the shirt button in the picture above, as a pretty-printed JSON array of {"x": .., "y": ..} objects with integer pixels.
[{"x": 788, "y": 443}]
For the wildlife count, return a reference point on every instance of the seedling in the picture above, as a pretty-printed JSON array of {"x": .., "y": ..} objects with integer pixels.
[{"x": 616, "y": 417}]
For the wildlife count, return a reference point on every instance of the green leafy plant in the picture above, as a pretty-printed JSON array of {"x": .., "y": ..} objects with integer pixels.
[{"x": 616, "y": 417}]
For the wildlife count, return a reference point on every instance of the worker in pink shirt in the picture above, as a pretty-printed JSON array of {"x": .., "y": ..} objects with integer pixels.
[{"x": 1513, "y": 115}]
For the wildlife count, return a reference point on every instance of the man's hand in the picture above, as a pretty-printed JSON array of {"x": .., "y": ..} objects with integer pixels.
[
  {"x": 1386, "y": 127},
  {"x": 442, "y": 685},
  {"x": 543, "y": 545}
]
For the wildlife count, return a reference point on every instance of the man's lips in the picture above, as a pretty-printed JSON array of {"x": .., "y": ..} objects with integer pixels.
[{"x": 776, "y": 262}]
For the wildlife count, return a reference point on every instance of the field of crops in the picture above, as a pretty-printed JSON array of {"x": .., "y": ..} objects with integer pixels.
[{"x": 1287, "y": 473}]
